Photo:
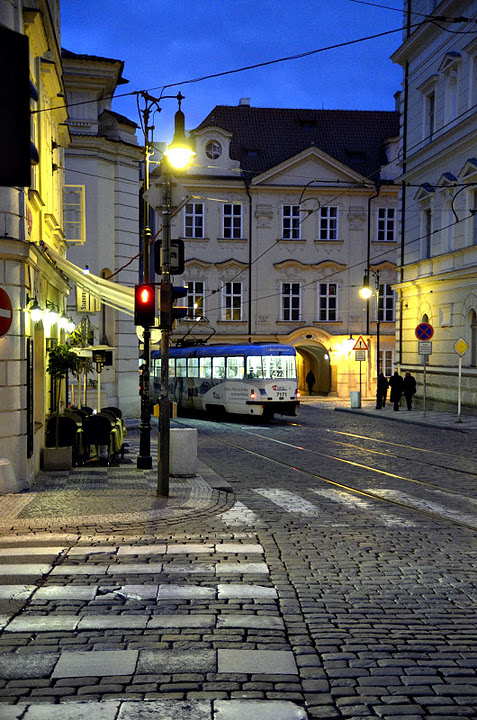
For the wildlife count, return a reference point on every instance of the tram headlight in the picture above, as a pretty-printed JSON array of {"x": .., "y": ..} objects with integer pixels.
[{"x": 252, "y": 394}]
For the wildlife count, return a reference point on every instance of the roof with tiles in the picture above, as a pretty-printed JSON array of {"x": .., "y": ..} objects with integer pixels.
[{"x": 265, "y": 137}]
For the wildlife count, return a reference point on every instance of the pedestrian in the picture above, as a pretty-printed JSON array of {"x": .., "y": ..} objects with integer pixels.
[
  {"x": 310, "y": 381},
  {"x": 382, "y": 391},
  {"x": 409, "y": 388},
  {"x": 396, "y": 383}
]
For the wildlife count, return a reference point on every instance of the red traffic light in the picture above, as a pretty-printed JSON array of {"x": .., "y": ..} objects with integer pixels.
[{"x": 144, "y": 305}]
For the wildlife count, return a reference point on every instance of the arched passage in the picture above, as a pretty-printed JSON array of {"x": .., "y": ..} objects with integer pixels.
[{"x": 314, "y": 357}]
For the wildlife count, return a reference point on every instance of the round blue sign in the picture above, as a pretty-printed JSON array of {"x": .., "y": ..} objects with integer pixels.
[{"x": 424, "y": 331}]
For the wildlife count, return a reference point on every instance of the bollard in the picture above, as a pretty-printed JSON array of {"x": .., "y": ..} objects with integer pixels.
[{"x": 183, "y": 452}]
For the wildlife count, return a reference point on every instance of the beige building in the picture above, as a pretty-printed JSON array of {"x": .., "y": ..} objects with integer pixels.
[
  {"x": 438, "y": 237},
  {"x": 30, "y": 222},
  {"x": 102, "y": 225},
  {"x": 287, "y": 210}
]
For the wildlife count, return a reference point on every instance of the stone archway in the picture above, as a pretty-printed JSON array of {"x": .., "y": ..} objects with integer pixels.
[{"x": 314, "y": 357}]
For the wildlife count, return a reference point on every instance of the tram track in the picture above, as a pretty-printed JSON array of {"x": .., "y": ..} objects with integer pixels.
[
  {"x": 371, "y": 468},
  {"x": 369, "y": 494}
]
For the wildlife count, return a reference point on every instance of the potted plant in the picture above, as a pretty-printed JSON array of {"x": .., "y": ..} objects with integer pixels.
[{"x": 61, "y": 360}]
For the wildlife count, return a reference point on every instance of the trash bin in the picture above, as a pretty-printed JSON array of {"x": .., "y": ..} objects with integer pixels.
[{"x": 355, "y": 398}]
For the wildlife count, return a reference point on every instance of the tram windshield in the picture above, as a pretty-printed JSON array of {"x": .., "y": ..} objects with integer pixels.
[{"x": 271, "y": 366}]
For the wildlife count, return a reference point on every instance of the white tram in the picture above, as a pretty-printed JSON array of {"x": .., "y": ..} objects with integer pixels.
[{"x": 241, "y": 379}]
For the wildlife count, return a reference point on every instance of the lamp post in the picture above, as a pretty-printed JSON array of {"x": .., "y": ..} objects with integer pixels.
[
  {"x": 177, "y": 155},
  {"x": 366, "y": 293}
]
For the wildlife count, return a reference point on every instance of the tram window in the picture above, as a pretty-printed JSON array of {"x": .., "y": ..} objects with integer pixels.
[
  {"x": 181, "y": 367},
  {"x": 254, "y": 367},
  {"x": 206, "y": 367},
  {"x": 281, "y": 366},
  {"x": 218, "y": 368},
  {"x": 235, "y": 367},
  {"x": 172, "y": 367},
  {"x": 193, "y": 367}
]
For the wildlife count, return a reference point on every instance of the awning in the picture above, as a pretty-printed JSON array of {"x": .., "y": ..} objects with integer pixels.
[{"x": 110, "y": 293}]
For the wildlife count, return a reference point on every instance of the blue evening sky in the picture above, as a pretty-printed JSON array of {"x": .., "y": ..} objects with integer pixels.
[{"x": 164, "y": 42}]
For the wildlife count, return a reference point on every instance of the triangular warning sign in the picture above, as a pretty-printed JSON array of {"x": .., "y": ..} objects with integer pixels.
[{"x": 360, "y": 344}]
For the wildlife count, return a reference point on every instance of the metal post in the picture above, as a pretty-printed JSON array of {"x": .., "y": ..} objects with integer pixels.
[
  {"x": 164, "y": 405},
  {"x": 459, "y": 391},
  {"x": 144, "y": 459},
  {"x": 378, "y": 399},
  {"x": 424, "y": 383}
]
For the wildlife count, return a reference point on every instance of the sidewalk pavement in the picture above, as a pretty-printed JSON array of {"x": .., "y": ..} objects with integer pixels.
[
  {"x": 100, "y": 498},
  {"x": 121, "y": 498},
  {"x": 416, "y": 416}
]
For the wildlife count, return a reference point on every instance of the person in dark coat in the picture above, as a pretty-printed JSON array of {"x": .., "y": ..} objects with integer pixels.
[
  {"x": 396, "y": 383},
  {"x": 310, "y": 381},
  {"x": 383, "y": 385},
  {"x": 409, "y": 388}
]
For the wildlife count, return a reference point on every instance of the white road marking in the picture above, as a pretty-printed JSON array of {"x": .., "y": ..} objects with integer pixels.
[
  {"x": 358, "y": 503},
  {"x": 239, "y": 514},
  {"x": 289, "y": 501},
  {"x": 422, "y": 504}
]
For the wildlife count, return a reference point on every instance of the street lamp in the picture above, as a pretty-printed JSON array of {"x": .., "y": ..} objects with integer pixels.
[
  {"x": 178, "y": 156},
  {"x": 366, "y": 293}
]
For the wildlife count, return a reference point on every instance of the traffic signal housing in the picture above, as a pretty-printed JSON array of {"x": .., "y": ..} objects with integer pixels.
[
  {"x": 15, "y": 91},
  {"x": 168, "y": 311},
  {"x": 144, "y": 305}
]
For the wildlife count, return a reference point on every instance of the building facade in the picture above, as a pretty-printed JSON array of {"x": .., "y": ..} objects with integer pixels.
[
  {"x": 30, "y": 222},
  {"x": 102, "y": 216},
  {"x": 286, "y": 210},
  {"x": 438, "y": 201}
]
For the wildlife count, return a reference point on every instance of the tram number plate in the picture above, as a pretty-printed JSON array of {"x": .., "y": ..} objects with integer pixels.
[{"x": 281, "y": 395}]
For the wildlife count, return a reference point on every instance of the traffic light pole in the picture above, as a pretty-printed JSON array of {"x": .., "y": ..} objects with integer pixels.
[
  {"x": 164, "y": 404},
  {"x": 144, "y": 459}
]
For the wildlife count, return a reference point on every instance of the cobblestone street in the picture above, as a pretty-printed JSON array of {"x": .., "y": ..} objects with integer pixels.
[{"x": 265, "y": 587}]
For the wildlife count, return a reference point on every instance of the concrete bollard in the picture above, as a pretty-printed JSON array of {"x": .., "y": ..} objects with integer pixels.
[
  {"x": 183, "y": 452},
  {"x": 8, "y": 482}
]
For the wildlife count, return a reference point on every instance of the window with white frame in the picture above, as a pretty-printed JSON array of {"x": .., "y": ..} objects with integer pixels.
[
  {"x": 232, "y": 220},
  {"x": 291, "y": 222},
  {"x": 386, "y": 303},
  {"x": 291, "y": 301},
  {"x": 386, "y": 224},
  {"x": 429, "y": 125},
  {"x": 426, "y": 235},
  {"x": 473, "y": 219},
  {"x": 386, "y": 362},
  {"x": 327, "y": 302},
  {"x": 74, "y": 213},
  {"x": 195, "y": 299},
  {"x": 232, "y": 301},
  {"x": 447, "y": 223},
  {"x": 328, "y": 219},
  {"x": 194, "y": 220}
]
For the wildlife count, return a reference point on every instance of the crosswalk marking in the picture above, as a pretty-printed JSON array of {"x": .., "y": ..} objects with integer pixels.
[
  {"x": 291, "y": 502},
  {"x": 356, "y": 502},
  {"x": 423, "y": 504}
]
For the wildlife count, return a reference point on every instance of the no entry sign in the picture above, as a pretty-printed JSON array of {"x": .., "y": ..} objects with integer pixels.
[
  {"x": 5, "y": 312},
  {"x": 424, "y": 331}
]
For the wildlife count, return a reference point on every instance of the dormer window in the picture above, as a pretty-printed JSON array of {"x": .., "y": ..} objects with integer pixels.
[{"x": 213, "y": 150}]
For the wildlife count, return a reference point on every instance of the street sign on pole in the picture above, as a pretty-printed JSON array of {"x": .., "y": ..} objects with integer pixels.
[
  {"x": 6, "y": 312},
  {"x": 424, "y": 331},
  {"x": 360, "y": 344},
  {"x": 461, "y": 347},
  {"x": 424, "y": 347},
  {"x": 360, "y": 355}
]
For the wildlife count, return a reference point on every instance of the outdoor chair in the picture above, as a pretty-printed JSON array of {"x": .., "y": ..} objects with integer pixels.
[
  {"x": 101, "y": 432},
  {"x": 70, "y": 435}
]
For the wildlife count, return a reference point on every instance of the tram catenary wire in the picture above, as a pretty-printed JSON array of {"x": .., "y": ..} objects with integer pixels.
[{"x": 350, "y": 488}]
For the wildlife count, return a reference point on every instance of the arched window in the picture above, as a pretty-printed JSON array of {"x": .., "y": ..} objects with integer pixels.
[
  {"x": 425, "y": 318},
  {"x": 473, "y": 338}
]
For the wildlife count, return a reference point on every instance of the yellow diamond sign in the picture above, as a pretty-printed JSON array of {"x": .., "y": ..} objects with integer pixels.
[{"x": 461, "y": 346}]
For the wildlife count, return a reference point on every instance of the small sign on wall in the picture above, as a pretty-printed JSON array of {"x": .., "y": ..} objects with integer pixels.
[{"x": 86, "y": 303}]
